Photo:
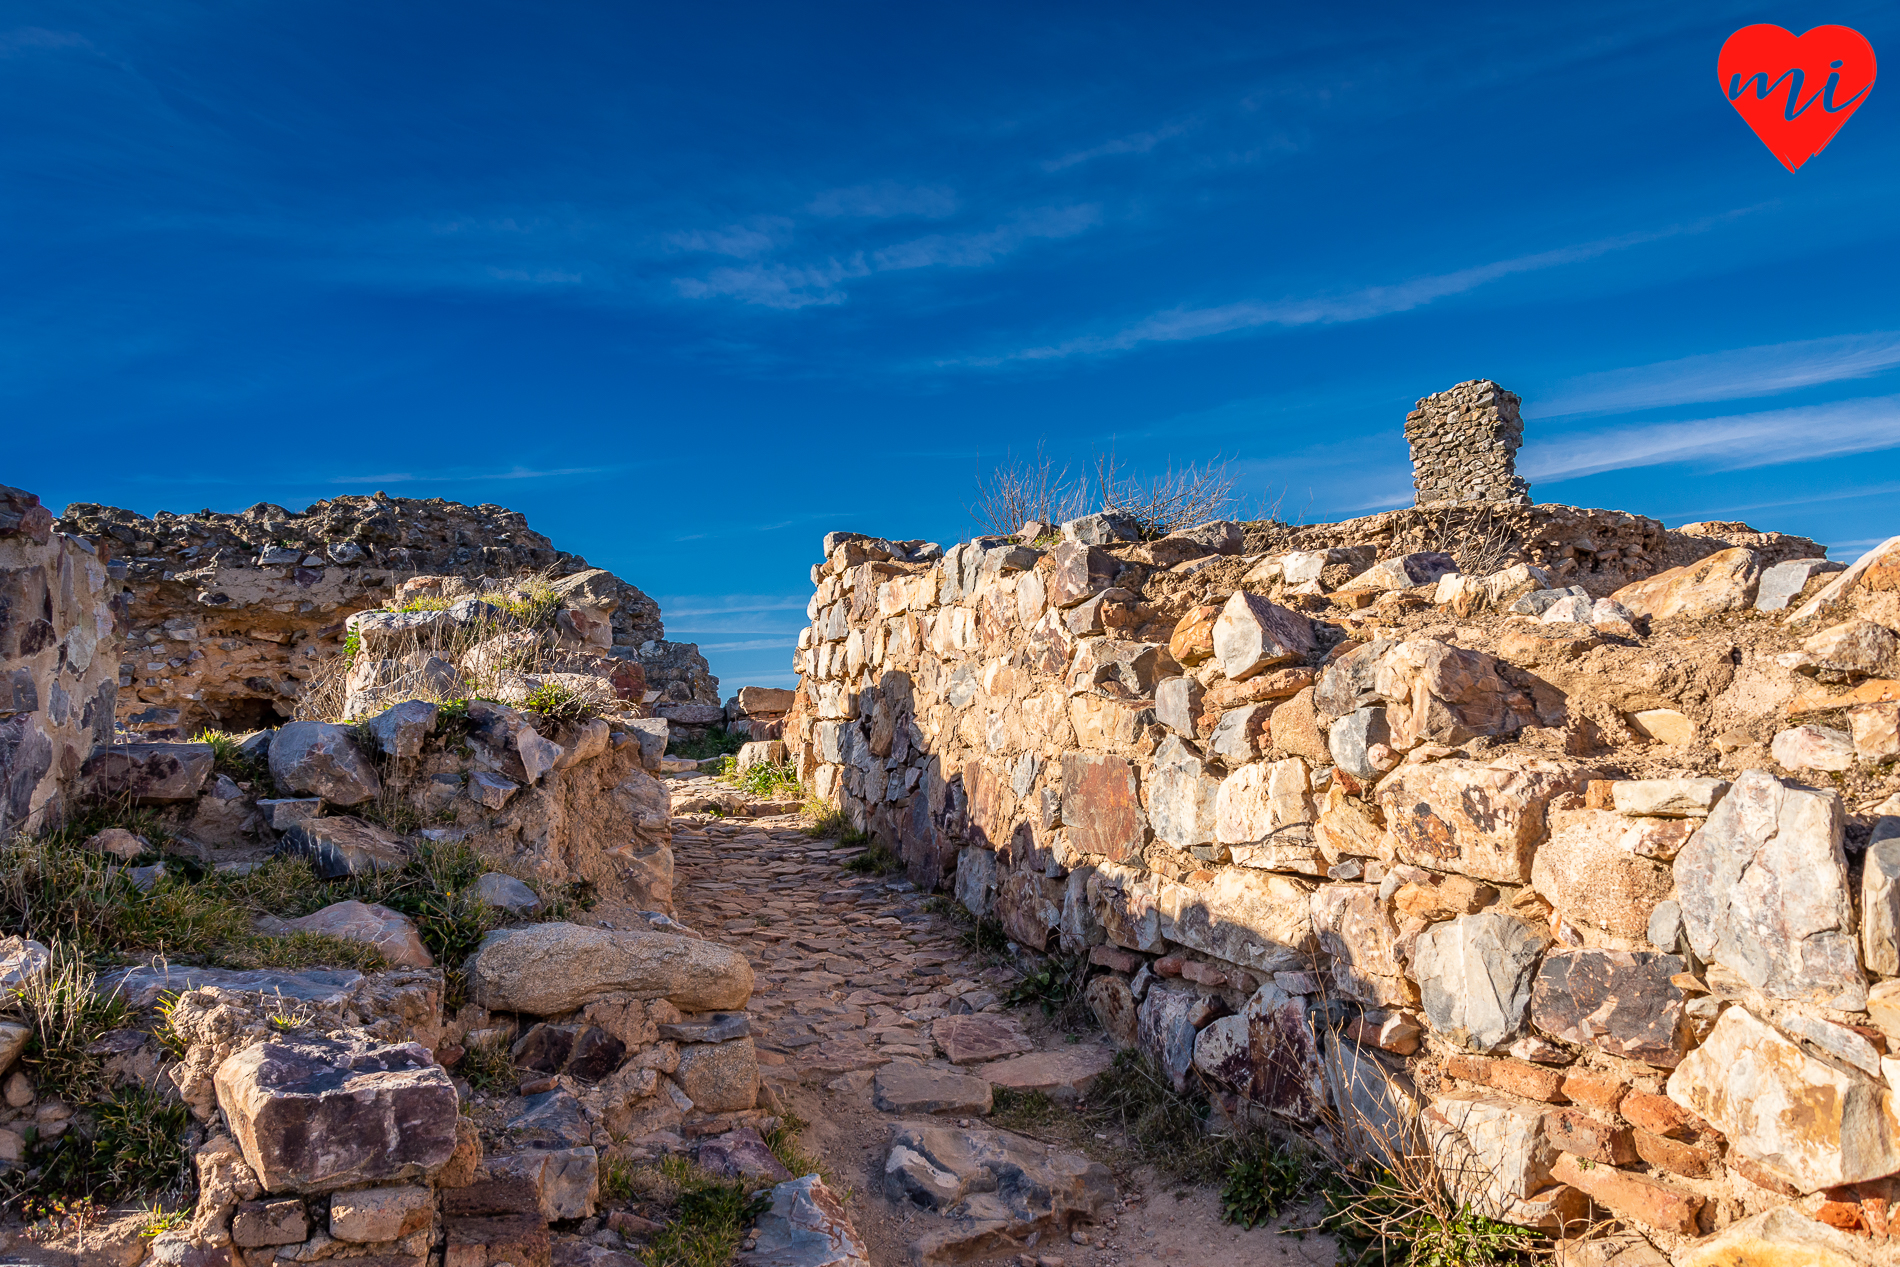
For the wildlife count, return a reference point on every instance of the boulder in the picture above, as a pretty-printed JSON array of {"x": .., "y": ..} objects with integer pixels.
[
  {"x": 1101, "y": 807},
  {"x": 550, "y": 1120},
  {"x": 1252, "y": 634},
  {"x": 286, "y": 812},
  {"x": 400, "y": 729},
  {"x": 1813, "y": 748},
  {"x": 381, "y": 1214},
  {"x": 905, "y": 1087},
  {"x": 1113, "y": 1004},
  {"x": 506, "y": 893},
  {"x": 1475, "y": 975},
  {"x": 806, "y": 1226},
  {"x": 1876, "y": 730},
  {"x": 975, "y": 1037},
  {"x": 719, "y": 1077},
  {"x": 1810, "y": 1121},
  {"x": 1064, "y": 1074},
  {"x": 1875, "y": 571},
  {"x": 990, "y": 1185},
  {"x": 389, "y": 931},
  {"x": 565, "y": 1182},
  {"x": 1622, "y": 1002},
  {"x": 1856, "y": 648},
  {"x": 1438, "y": 693},
  {"x": 142, "y": 987},
  {"x": 1181, "y": 796},
  {"x": 1267, "y": 1053},
  {"x": 150, "y": 773},
  {"x": 1240, "y": 735},
  {"x": 321, "y": 759},
  {"x": 313, "y": 1114},
  {"x": 338, "y": 846},
  {"x": 21, "y": 960},
  {"x": 1167, "y": 1023},
  {"x": 1783, "y": 583},
  {"x": 1246, "y": 917},
  {"x": 742, "y": 1154},
  {"x": 1178, "y": 704},
  {"x": 1350, "y": 741},
  {"x": 1763, "y": 890},
  {"x": 549, "y": 969},
  {"x": 1725, "y": 581},
  {"x": 1481, "y": 818},
  {"x": 258, "y": 1224},
  {"x": 1497, "y": 1158},
  {"x": 1081, "y": 572},
  {"x": 1585, "y": 873},
  {"x": 1356, "y": 931},
  {"x": 1781, "y": 1237},
  {"x": 1103, "y": 528}
]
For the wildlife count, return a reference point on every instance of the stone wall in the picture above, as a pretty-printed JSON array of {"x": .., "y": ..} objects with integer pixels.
[
  {"x": 229, "y": 615},
  {"x": 59, "y": 661},
  {"x": 1542, "y": 861},
  {"x": 1464, "y": 446}
]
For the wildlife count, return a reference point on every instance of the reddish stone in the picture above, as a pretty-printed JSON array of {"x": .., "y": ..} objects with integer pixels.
[
  {"x": 1840, "y": 1214},
  {"x": 1193, "y": 637},
  {"x": 991, "y": 803},
  {"x": 1672, "y": 1155},
  {"x": 1578, "y": 1133},
  {"x": 1631, "y": 1196},
  {"x": 1759, "y": 1176},
  {"x": 1657, "y": 1114},
  {"x": 1119, "y": 960},
  {"x": 1469, "y": 1069},
  {"x": 1203, "y": 974},
  {"x": 1081, "y": 572},
  {"x": 1595, "y": 1090},
  {"x": 1528, "y": 1081},
  {"x": 1100, "y": 807},
  {"x": 1170, "y": 965}
]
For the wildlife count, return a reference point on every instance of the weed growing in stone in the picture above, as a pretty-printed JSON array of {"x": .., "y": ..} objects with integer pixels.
[
  {"x": 826, "y": 821},
  {"x": 561, "y": 703},
  {"x": 132, "y": 1146},
  {"x": 715, "y": 742},
  {"x": 228, "y": 757},
  {"x": 66, "y": 1015},
  {"x": 783, "y": 1141},
  {"x": 765, "y": 780},
  {"x": 1259, "y": 1183},
  {"x": 1055, "y": 985},
  {"x": 616, "y": 1179},
  {"x": 489, "y": 1068},
  {"x": 707, "y": 1219},
  {"x": 877, "y": 859}
]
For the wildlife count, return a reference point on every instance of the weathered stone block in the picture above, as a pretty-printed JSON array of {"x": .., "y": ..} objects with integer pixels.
[
  {"x": 1483, "y": 819},
  {"x": 150, "y": 773},
  {"x": 548, "y": 969},
  {"x": 1475, "y": 976},
  {"x": 321, "y": 759},
  {"x": 314, "y": 1114},
  {"x": 1101, "y": 807},
  {"x": 1585, "y": 873},
  {"x": 1621, "y": 1002},
  {"x": 338, "y": 846},
  {"x": 1252, "y": 634}
]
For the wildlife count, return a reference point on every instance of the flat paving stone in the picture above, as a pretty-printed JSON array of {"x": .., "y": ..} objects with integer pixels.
[
  {"x": 980, "y": 1036},
  {"x": 904, "y": 1087},
  {"x": 1063, "y": 1075}
]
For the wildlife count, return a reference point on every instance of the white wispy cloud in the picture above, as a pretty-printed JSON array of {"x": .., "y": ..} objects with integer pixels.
[
  {"x": 676, "y": 605},
  {"x": 448, "y": 477},
  {"x": 1180, "y": 324},
  {"x": 742, "y": 241},
  {"x": 1767, "y": 438},
  {"x": 884, "y": 200},
  {"x": 1133, "y": 143},
  {"x": 792, "y": 286},
  {"x": 1731, "y": 375}
]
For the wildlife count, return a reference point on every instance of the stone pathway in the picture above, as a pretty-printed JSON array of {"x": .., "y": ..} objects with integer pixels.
[{"x": 855, "y": 977}]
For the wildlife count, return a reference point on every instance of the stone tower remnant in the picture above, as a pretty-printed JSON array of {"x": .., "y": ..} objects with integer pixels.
[{"x": 1464, "y": 446}]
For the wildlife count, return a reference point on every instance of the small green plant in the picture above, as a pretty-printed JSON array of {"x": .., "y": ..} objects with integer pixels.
[
  {"x": 159, "y": 1220},
  {"x": 66, "y": 1014},
  {"x": 1391, "y": 1222},
  {"x": 352, "y": 646},
  {"x": 558, "y": 701},
  {"x": 1258, "y": 1184},
  {"x": 826, "y": 821},
  {"x": 425, "y": 604},
  {"x": 875, "y": 860},
  {"x": 783, "y": 1141},
  {"x": 488, "y": 1067},
  {"x": 709, "y": 1217},
  {"x": 1055, "y": 985},
  {"x": 229, "y": 757},
  {"x": 764, "y": 780},
  {"x": 715, "y": 742},
  {"x": 616, "y": 1179},
  {"x": 135, "y": 1148}
]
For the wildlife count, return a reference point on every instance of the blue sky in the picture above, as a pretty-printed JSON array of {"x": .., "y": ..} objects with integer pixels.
[{"x": 692, "y": 285}]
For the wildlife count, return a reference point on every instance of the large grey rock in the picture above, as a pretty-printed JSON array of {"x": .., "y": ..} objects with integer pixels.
[
  {"x": 1167, "y": 1024},
  {"x": 314, "y": 1114},
  {"x": 719, "y": 1077},
  {"x": 1268, "y": 1053},
  {"x": 989, "y": 1185},
  {"x": 1474, "y": 977},
  {"x": 1178, "y": 704},
  {"x": 1405, "y": 571},
  {"x": 1880, "y": 906},
  {"x": 338, "y": 846},
  {"x": 548, "y": 969},
  {"x": 389, "y": 931},
  {"x": 1622, "y": 1002},
  {"x": 566, "y": 1181},
  {"x": 1857, "y": 647},
  {"x": 550, "y": 1120},
  {"x": 1104, "y": 528},
  {"x": 742, "y": 1154},
  {"x": 1585, "y": 873},
  {"x": 1181, "y": 796},
  {"x": 1781, "y": 583},
  {"x": 651, "y": 733},
  {"x": 1763, "y": 891},
  {"x": 905, "y": 1087},
  {"x": 806, "y": 1226},
  {"x": 321, "y": 759},
  {"x": 1811, "y": 1121},
  {"x": 1240, "y": 735},
  {"x": 150, "y": 773},
  {"x": 506, "y": 893},
  {"x": 401, "y": 728},
  {"x": 1497, "y": 1158},
  {"x": 1349, "y": 738},
  {"x": 1252, "y": 634}
]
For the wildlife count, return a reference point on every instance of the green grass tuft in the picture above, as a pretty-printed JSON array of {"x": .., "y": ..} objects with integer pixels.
[{"x": 875, "y": 860}]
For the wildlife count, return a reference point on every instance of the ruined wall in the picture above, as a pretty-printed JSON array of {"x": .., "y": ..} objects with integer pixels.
[
  {"x": 1464, "y": 446},
  {"x": 59, "y": 660},
  {"x": 1556, "y": 876},
  {"x": 227, "y": 615}
]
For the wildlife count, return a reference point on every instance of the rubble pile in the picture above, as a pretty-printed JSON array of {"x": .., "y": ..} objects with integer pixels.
[{"x": 229, "y": 617}]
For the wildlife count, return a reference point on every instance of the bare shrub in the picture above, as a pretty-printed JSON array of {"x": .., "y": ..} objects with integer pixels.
[{"x": 1036, "y": 490}]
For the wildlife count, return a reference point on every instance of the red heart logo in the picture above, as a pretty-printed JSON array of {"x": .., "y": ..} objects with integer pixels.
[{"x": 1796, "y": 91}]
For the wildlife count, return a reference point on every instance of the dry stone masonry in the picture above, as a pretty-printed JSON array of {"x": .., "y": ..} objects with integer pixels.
[
  {"x": 1585, "y": 865},
  {"x": 1464, "y": 446}
]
